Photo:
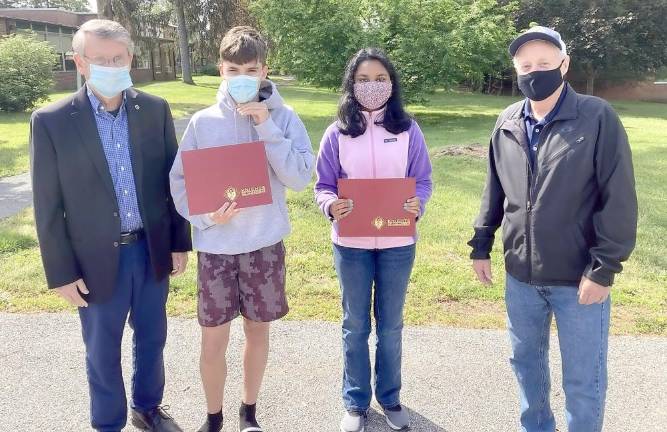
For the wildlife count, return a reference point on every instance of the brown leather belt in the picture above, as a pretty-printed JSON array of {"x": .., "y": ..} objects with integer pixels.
[{"x": 131, "y": 237}]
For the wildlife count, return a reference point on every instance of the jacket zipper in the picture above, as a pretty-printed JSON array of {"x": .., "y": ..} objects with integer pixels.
[
  {"x": 533, "y": 173},
  {"x": 529, "y": 224},
  {"x": 555, "y": 155},
  {"x": 371, "y": 125}
]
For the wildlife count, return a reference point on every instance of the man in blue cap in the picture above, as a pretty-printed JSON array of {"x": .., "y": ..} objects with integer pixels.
[{"x": 560, "y": 182}]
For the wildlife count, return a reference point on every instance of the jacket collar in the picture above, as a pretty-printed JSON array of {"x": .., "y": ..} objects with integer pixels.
[
  {"x": 569, "y": 110},
  {"x": 82, "y": 101},
  {"x": 374, "y": 115},
  {"x": 515, "y": 124},
  {"x": 84, "y": 120}
]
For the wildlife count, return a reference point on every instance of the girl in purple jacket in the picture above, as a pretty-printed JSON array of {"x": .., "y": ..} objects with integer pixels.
[{"x": 373, "y": 138}]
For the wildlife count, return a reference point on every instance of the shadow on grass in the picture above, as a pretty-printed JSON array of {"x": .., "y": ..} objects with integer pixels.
[
  {"x": 643, "y": 110},
  {"x": 205, "y": 84},
  {"x": 651, "y": 325},
  {"x": 438, "y": 118},
  {"x": 12, "y": 242},
  {"x": 12, "y": 118},
  {"x": 455, "y": 128},
  {"x": 185, "y": 109},
  {"x": 460, "y": 174}
]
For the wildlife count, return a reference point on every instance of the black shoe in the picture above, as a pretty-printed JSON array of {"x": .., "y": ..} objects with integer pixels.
[
  {"x": 207, "y": 427},
  {"x": 247, "y": 421},
  {"x": 156, "y": 420},
  {"x": 213, "y": 423}
]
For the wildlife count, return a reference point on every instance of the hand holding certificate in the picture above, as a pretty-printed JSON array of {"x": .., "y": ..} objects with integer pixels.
[
  {"x": 379, "y": 208},
  {"x": 235, "y": 174}
]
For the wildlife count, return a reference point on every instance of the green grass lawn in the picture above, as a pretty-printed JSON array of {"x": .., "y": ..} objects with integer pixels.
[{"x": 442, "y": 288}]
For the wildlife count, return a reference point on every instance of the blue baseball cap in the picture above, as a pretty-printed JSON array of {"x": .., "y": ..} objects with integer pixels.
[{"x": 538, "y": 33}]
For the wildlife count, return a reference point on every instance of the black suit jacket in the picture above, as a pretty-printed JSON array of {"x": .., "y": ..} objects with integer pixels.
[{"x": 76, "y": 211}]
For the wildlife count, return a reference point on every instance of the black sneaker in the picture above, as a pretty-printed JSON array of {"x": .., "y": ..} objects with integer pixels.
[
  {"x": 213, "y": 423},
  {"x": 247, "y": 420}
]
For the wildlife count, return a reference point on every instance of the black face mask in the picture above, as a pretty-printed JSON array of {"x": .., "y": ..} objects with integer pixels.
[{"x": 539, "y": 85}]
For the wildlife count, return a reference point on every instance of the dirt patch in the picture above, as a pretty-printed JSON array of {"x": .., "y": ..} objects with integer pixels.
[{"x": 472, "y": 150}]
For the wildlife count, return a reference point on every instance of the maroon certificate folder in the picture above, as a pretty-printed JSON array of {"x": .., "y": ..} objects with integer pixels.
[
  {"x": 234, "y": 173},
  {"x": 378, "y": 207}
]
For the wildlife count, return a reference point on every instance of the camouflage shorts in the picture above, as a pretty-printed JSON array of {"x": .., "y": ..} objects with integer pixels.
[{"x": 252, "y": 284}]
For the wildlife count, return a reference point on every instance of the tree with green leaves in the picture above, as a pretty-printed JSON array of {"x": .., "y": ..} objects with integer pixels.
[
  {"x": 434, "y": 43},
  {"x": 70, "y": 5},
  {"x": 147, "y": 17},
  {"x": 208, "y": 21},
  {"x": 312, "y": 39},
  {"x": 142, "y": 18},
  {"x": 611, "y": 39}
]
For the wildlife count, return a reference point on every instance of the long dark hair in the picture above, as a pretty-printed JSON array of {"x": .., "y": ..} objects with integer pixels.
[{"x": 351, "y": 120}]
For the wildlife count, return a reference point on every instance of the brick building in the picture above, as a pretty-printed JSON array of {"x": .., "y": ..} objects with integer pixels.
[{"x": 154, "y": 57}]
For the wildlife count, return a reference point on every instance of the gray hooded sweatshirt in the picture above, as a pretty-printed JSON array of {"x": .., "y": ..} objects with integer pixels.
[{"x": 291, "y": 163}]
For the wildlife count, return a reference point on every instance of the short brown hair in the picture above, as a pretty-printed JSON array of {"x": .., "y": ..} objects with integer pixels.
[{"x": 243, "y": 45}]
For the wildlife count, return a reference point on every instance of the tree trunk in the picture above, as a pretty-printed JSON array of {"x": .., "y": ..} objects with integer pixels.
[
  {"x": 104, "y": 9},
  {"x": 590, "y": 84},
  {"x": 590, "y": 79},
  {"x": 183, "y": 45}
]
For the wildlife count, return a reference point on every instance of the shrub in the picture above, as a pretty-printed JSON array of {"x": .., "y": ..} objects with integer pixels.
[{"x": 26, "y": 72}]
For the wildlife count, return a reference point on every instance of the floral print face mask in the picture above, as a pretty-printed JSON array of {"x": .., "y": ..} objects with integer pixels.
[{"x": 372, "y": 94}]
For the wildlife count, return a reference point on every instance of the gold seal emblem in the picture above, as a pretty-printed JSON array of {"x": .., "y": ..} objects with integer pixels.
[
  {"x": 378, "y": 223},
  {"x": 230, "y": 193}
]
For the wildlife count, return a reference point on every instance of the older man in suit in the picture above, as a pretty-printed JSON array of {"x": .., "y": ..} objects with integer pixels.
[{"x": 108, "y": 231}]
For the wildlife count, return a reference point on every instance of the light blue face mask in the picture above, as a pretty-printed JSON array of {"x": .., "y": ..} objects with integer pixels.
[
  {"x": 243, "y": 88},
  {"x": 109, "y": 81}
]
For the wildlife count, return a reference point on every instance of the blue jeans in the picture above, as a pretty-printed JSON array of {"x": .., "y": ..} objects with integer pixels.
[
  {"x": 583, "y": 332},
  {"x": 359, "y": 270},
  {"x": 139, "y": 294}
]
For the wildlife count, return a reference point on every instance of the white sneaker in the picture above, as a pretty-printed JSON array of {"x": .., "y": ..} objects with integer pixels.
[{"x": 353, "y": 422}]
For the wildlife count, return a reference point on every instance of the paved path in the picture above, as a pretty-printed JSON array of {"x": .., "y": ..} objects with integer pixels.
[
  {"x": 455, "y": 380},
  {"x": 180, "y": 125},
  {"x": 16, "y": 192}
]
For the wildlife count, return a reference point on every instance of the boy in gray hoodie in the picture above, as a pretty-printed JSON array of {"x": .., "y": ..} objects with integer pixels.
[{"x": 241, "y": 256}]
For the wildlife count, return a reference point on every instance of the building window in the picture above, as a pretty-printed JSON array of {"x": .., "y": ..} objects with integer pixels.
[
  {"x": 661, "y": 76},
  {"x": 70, "y": 66},
  {"x": 56, "y": 41},
  {"x": 58, "y": 65},
  {"x": 157, "y": 64},
  {"x": 142, "y": 58},
  {"x": 39, "y": 30},
  {"x": 168, "y": 60},
  {"x": 23, "y": 25}
]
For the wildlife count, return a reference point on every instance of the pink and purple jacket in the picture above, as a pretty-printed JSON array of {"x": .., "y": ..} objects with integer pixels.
[{"x": 376, "y": 154}]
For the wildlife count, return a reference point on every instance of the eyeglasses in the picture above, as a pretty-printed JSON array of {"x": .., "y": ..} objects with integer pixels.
[{"x": 118, "y": 61}]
